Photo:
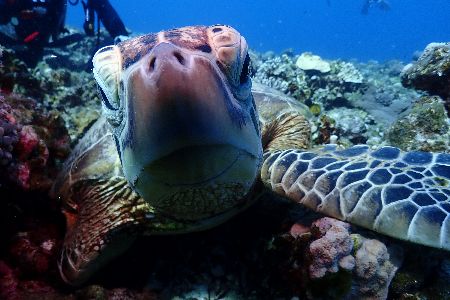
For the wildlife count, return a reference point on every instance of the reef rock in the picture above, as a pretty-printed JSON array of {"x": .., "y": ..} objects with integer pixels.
[
  {"x": 376, "y": 265},
  {"x": 354, "y": 125},
  {"x": 424, "y": 128},
  {"x": 309, "y": 62},
  {"x": 431, "y": 72},
  {"x": 14, "y": 72}
]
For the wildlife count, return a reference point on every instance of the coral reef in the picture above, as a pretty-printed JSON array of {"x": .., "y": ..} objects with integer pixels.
[
  {"x": 73, "y": 94},
  {"x": 67, "y": 88},
  {"x": 431, "y": 72},
  {"x": 76, "y": 56},
  {"x": 425, "y": 127},
  {"x": 33, "y": 143},
  {"x": 332, "y": 89},
  {"x": 335, "y": 94},
  {"x": 304, "y": 83},
  {"x": 281, "y": 73},
  {"x": 347, "y": 73},
  {"x": 353, "y": 102},
  {"x": 14, "y": 72}
]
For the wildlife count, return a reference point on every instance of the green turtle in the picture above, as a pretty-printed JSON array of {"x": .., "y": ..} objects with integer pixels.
[{"x": 183, "y": 143}]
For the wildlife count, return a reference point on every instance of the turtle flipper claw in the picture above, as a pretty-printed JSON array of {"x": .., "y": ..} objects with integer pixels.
[{"x": 401, "y": 194}]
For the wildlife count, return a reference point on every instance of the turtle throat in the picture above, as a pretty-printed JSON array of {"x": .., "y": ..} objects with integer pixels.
[{"x": 198, "y": 182}]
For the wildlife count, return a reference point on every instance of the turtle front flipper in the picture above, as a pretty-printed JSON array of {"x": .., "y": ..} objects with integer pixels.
[
  {"x": 405, "y": 195},
  {"x": 104, "y": 224}
]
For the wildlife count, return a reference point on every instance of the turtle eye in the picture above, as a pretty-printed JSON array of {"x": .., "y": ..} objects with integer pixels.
[
  {"x": 245, "y": 70},
  {"x": 107, "y": 68},
  {"x": 105, "y": 100}
]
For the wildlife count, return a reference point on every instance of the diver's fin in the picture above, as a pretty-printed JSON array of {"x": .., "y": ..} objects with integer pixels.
[{"x": 66, "y": 40}]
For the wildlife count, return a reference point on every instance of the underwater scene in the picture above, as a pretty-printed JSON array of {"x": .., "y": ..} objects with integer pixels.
[{"x": 224, "y": 150}]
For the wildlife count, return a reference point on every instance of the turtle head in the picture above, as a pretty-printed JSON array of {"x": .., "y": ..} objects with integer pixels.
[{"x": 181, "y": 110}]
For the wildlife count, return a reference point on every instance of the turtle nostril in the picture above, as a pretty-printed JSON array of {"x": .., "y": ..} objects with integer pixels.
[
  {"x": 152, "y": 63},
  {"x": 179, "y": 57}
]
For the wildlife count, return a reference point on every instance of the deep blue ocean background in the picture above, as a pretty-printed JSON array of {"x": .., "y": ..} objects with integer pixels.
[{"x": 338, "y": 30}]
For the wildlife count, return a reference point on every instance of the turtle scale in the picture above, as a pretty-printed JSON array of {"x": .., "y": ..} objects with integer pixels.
[
  {"x": 404, "y": 195},
  {"x": 368, "y": 196}
]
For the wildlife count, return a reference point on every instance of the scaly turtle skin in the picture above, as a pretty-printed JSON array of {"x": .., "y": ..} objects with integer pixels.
[{"x": 181, "y": 147}]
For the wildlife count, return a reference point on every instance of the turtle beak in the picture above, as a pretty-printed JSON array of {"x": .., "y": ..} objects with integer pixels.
[{"x": 184, "y": 126}]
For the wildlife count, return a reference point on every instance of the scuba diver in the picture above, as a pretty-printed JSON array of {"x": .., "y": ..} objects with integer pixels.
[
  {"x": 36, "y": 22},
  {"x": 381, "y": 4},
  {"x": 106, "y": 14}
]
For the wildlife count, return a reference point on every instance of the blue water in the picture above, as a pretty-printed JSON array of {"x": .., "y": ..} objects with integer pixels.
[{"x": 335, "y": 31}]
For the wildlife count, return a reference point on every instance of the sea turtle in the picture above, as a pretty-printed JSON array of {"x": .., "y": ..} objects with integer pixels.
[{"x": 181, "y": 147}]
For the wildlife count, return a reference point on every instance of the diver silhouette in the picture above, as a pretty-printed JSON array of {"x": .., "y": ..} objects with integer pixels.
[
  {"x": 39, "y": 23},
  {"x": 381, "y": 4}
]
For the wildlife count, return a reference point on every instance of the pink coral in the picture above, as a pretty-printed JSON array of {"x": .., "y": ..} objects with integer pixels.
[
  {"x": 23, "y": 175},
  {"x": 298, "y": 230},
  {"x": 331, "y": 249},
  {"x": 28, "y": 140}
]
